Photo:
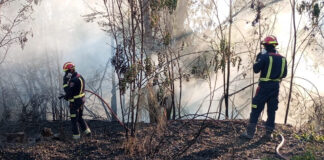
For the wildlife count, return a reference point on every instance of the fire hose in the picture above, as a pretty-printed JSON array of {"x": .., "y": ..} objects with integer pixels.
[
  {"x": 279, "y": 146},
  {"x": 107, "y": 105}
]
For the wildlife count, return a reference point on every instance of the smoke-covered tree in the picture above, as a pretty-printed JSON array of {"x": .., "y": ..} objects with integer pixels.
[
  {"x": 12, "y": 31},
  {"x": 140, "y": 28}
]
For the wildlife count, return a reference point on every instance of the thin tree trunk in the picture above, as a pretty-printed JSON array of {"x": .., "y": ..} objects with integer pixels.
[
  {"x": 260, "y": 34},
  {"x": 224, "y": 77},
  {"x": 180, "y": 89},
  {"x": 260, "y": 45},
  {"x": 293, "y": 6},
  {"x": 133, "y": 85},
  {"x": 121, "y": 102},
  {"x": 228, "y": 62},
  {"x": 114, "y": 96},
  {"x": 141, "y": 63},
  {"x": 169, "y": 108},
  {"x": 172, "y": 90}
]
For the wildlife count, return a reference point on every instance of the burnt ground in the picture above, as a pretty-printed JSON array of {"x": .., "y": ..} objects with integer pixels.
[{"x": 182, "y": 139}]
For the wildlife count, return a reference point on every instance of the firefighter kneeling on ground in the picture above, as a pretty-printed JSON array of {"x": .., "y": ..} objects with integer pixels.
[
  {"x": 73, "y": 84},
  {"x": 273, "y": 68}
]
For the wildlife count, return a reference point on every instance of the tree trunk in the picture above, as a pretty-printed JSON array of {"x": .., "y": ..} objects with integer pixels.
[
  {"x": 293, "y": 6},
  {"x": 228, "y": 62}
]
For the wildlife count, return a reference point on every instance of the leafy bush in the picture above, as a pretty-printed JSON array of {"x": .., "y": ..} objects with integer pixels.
[
  {"x": 306, "y": 156},
  {"x": 310, "y": 137},
  {"x": 269, "y": 158}
]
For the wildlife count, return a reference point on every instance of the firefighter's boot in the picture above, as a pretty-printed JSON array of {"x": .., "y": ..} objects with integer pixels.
[
  {"x": 87, "y": 132},
  {"x": 250, "y": 130},
  {"x": 268, "y": 133}
]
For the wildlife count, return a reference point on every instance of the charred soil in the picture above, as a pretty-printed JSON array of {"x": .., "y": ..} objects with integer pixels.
[{"x": 181, "y": 139}]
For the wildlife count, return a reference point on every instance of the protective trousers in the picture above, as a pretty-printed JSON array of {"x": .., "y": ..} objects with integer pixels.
[
  {"x": 76, "y": 111},
  {"x": 267, "y": 92}
]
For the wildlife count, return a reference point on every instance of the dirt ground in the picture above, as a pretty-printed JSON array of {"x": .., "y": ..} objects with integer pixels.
[{"x": 181, "y": 139}]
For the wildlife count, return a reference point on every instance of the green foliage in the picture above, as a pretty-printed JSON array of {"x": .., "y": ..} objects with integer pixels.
[
  {"x": 154, "y": 20},
  {"x": 171, "y": 4},
  {"x": 216, "y": 63},
  {"x": 303, "y": 6},
  {"x": 186, "y": 76},
  {"x": 148, "y": 67},
  {"x": 157, "y": 5},
  {"x": 316, "y": 10},
  {"x": 161, "y": 60},
  {"x": 223, "y": 46},
  {"x": 312, "y": 8},
  {"x": 131, "y": 73},
  {"x": 222, "y": 51},
  {"x": 167, "y": 39},
  {"x": 194, "y": 70},
  {"x": 309, "y": 155},
  {"x": 236, "y": 61},
  {"x": 266, "y": 158},
  {"x": 310, "y": 137},
  {"x": 315, "y": 13},
  {"x": 122, "y": 86},
  {"x": 129, "y": 76},
  {"x": 202, "y": 66}
]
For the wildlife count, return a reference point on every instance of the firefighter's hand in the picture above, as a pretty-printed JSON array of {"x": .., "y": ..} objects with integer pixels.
[
  {"x": 68, "y": 75},
  {"x": 258, "y": 56},
  {"x": 62, "y": 96}
]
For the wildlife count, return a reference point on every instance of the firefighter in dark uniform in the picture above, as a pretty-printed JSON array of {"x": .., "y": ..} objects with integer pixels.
[
  {"x": 73, "y": 84},
  {"x": 273, "y": 68}
]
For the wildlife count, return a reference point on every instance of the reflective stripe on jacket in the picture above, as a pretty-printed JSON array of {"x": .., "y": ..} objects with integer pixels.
[{"x": 273, "y": 67}]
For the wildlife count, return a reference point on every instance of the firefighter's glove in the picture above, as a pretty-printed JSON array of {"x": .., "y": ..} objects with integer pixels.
[
  {"x": 68, "y": 75},
  {"x": 62, "y": 96},
  {"x": 258, "y": 56}
]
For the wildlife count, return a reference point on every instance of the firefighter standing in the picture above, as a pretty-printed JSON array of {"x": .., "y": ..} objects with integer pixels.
[
  {"x": 273, "y": 68},
  {"x": 73, "y": 84}
]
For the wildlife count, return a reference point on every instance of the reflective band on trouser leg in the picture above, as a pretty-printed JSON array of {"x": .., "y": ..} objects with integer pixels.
[
  {"x": 283, "y": 64},
  {"x": 65, "y": 85},
  {"x": 254, "y": 106},
  {"x": 87, "y": 131},
  {"x": 71, "y": 100},
  {"x": 73, "y": 115},
  {"x": 76, "y": 136}
]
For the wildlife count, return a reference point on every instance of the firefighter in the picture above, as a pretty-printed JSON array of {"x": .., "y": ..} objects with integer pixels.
[
  {"x": 73, "y": 84},
  {"x": 273, "y": 68}
]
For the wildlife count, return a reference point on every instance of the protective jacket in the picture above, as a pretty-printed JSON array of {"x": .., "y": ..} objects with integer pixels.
[
  {"x": 74, "y": 87},
  {"x": 273, "y": 67}
]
